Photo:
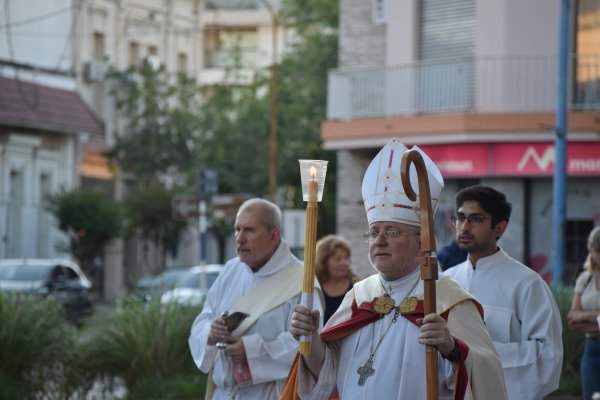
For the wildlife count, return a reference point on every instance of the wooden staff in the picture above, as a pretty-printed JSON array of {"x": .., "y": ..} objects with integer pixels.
[{"x": 428, "y": 262}]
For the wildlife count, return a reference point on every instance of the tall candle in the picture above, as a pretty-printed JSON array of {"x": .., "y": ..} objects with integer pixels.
[{"x": 310, "y": 240}]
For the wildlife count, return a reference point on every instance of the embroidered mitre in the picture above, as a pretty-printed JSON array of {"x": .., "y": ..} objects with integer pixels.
[{"x": 383, "y": 194}]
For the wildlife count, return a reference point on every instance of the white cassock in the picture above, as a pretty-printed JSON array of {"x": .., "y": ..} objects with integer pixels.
[
  {"x": 523, "y": 320},
  {"x": 399, "y": 361},
  {"x": 270, "y": 348}
]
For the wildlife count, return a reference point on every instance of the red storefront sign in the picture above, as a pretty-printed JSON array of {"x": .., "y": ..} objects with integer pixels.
[{"x": 513, "y": 159}]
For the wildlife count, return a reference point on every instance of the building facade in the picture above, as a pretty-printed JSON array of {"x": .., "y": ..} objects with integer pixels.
[
  {"x": 473, "y": 83},
  {"x": 62, "y": 49}
]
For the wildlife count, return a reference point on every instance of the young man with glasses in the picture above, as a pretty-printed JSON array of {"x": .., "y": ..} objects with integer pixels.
[
  {"x": 373, "y": 346},
  {"x": 520, "y": 311}
]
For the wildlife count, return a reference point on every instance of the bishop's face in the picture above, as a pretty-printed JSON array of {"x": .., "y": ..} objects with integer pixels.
[{"x": 394, "y": 257}]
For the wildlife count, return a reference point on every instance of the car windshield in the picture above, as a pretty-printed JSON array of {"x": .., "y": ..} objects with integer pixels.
[{"x": 24, "y": 272}]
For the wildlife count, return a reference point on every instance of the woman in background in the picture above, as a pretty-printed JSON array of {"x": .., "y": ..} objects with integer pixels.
[
  {"x": 583, "y": 316},
  {"x": 332, "y": 267}
]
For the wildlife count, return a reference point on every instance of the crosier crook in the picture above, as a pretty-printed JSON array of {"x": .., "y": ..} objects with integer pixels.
[{"x": 428, "y": 262}]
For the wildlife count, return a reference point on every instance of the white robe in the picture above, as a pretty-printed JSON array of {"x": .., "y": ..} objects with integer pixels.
[
  {"x": 523, "y": 320},
  {"x": 270, "y": 348},
  {"x": 399, "y": 361}
]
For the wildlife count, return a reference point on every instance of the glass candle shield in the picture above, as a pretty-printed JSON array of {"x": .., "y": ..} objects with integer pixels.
[{"x": 311, "y": 171}]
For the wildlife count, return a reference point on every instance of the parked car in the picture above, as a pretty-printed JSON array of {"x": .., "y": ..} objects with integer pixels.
[
  {"x": 59, "y": 279},
  {"x": 191, "y": 287},
  {"x": 186, "y": 286},
  {"x": 153, "y": 286}
]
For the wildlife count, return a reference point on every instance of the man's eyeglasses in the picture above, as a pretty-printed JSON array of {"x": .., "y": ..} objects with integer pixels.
[
  {"x": 474, "y": 219},
  {"x": 390, "y": 234}
]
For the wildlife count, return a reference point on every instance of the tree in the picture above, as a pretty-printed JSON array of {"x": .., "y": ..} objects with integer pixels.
[
  {"x": 156, "y": 147},
  {"x": 161, "y": 127},
  {"x": 91, "y": 220},
  {"x": 303, "y": 107},
  {"x": 149, "y": 215},
  {"x": 176, "y": 127},
  {"x": 235, "y": 119}
]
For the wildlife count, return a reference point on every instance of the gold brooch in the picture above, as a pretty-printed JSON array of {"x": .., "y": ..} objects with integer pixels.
[
  {"x": 409, "y": 304},
  {"x": 383, "y": 304}
]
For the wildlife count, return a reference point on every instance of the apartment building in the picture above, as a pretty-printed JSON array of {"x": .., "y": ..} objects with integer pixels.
[{"x": 473, "y": 83}]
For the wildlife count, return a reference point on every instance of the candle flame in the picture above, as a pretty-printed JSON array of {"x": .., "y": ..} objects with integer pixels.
[{"x": 313, "y": 171}]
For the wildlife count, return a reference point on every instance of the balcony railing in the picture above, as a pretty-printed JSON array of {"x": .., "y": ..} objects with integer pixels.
[{"x": 480, "y": 85}]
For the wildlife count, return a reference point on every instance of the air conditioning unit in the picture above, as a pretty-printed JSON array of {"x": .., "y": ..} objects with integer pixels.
[{"x": 94, "y": 71}]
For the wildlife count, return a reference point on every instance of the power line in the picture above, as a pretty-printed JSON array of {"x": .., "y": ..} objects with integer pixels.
[{"x": 34, "y": 19}]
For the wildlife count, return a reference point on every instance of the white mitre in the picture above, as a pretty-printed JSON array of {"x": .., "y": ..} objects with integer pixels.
[{"x": 382, "y": 190}]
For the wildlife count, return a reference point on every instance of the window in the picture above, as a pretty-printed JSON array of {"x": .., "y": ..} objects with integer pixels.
[
  {"x": 378, "y": 11},
  {"x": 15, "y": 212},
  {"x": 587, "y": 47},
  {"x": 230, "y": 48},
  {"x": 134, "y": 54},
  {"x": 99, "y": 46},
  {"x": 43, "y": 217},
  {"x": 182, "y": 63}
]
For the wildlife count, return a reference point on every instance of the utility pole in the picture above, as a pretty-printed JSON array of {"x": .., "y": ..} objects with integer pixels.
[
  {"x": 560, "y": 144},
  {"x": 273, "y": 139}
]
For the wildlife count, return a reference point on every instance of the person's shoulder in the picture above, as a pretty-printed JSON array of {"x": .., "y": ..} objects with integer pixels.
[
  {"x": 455, "y": 269},
  {"x": 520, "y": 270},
  {"x": 583, "y": 277},
  {"x": 450, "y": 293},
  {"x": 448, "y": 281},
  {"x": 231, "y": 262},
  {"x": 234, "y": 266}
]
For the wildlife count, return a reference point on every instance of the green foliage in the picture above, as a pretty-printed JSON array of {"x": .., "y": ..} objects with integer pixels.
[
  {"x": 235, "y": 140},
  {"x": 303, "y": 106},
  {"x": 149, "y": 214},
  {"x": 36, "y": 349},
  {"x": 174, "y": 128},
  {"x": 178, "y": 387},
  {"x": 158, "y": 144},
  {"x": 140, "y": 343},
  {"x": 91, "y": 219},
  {"x": 310, "y": 16},
  {"x": 161, "y": 127},
  {"x": 572, "y": 345},
  {"x": 236, "y": 119}
]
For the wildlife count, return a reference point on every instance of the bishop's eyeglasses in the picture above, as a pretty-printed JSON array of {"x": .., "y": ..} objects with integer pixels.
[
  {"x": 388, "y": 234},
  {"x": 474, "y": 219}
]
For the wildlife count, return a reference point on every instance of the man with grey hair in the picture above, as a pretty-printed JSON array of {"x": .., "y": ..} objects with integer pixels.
[{"x": 261, "y": 285}]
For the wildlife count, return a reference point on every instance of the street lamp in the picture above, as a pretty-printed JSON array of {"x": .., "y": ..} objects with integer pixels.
[{"x": 273, "y": 140}]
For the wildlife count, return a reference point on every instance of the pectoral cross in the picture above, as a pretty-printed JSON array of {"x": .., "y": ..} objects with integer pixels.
[{"x": 366, "y": 371}]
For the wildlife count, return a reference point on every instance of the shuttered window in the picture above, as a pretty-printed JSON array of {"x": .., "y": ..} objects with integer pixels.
[
  {"x": 447, "y": 49},
  {"x": 447, "y": 29}
]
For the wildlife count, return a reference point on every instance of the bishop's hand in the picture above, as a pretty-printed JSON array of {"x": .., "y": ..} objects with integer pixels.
[
  {"x": 304, "y": 322},
  {"x": 435, "y": 332}
]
